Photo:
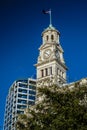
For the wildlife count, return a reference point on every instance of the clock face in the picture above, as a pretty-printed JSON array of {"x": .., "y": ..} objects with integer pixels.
[{"x": 47, "y": 53}]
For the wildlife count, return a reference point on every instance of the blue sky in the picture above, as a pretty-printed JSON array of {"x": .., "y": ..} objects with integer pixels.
[{"x": 21, "y": 25}]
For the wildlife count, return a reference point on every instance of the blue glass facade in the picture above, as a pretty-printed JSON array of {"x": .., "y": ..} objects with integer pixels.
[{"x": 21, "y": 95}]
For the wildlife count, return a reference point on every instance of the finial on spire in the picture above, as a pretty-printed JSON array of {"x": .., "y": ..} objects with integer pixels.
[{"x": 48, "y": 12}]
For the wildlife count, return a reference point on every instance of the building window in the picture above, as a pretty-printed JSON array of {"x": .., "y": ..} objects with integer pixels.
[
  {"x": 32, "y": 92},
  {"x": 47, "y": 37},
  {"x": 63, "y": 74},
  {"x": 50, "y": 70},
  {"x": 22, "y": 85},
  {"x": 42, "y": 73},
  {"x": 46, "y": 72},
  {"x": 32, "y": 87},
  {"x": 52, "y": 37},
  {"x": 22, "y": 96},
  {"x": 22, "y": 90},
  {"x": 58, "y": 71},
  {"x": 32, "y": 82},
  {"x": 22, "y": 101},
  {"x": 31, "y": 102},
  {"x": 20, "y": 112},
  {"x": 31, "y": 97},
  {"x": 21, "y": 106}
]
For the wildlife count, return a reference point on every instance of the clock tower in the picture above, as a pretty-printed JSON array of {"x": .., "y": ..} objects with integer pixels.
[{"x": 51, "y": 68}]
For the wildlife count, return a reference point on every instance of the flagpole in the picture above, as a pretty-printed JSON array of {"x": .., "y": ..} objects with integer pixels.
[{"x": 50, "y": 18}]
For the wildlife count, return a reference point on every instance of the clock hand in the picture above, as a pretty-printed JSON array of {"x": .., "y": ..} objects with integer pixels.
[{"x": 47, "y": 53}]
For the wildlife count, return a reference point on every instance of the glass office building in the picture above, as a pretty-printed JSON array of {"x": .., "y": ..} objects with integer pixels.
[{"x": 21, "y": 95}]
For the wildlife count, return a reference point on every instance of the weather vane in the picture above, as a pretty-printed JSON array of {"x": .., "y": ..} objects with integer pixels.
[{"x": 49, "y": 12}]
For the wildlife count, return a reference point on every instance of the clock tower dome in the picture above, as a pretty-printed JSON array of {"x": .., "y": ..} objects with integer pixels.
[{"x": 51, "y": 68}]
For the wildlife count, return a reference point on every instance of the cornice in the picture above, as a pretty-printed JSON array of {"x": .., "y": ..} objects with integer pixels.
[{"x": 47, "y": 61}]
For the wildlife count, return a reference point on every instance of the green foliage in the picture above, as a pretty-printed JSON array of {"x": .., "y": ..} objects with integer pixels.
[{"x": 60, "y": 109}]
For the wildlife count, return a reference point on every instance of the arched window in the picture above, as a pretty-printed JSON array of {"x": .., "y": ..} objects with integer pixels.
[
  {"x": 47, "y": 37},
  {"x": 52, "y": 37}
]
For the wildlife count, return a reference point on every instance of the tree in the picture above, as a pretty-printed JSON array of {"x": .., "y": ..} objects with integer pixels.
[{"x": 60, "y": 109}]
